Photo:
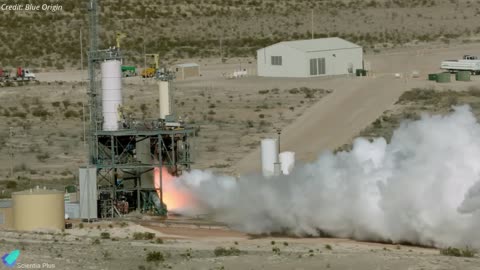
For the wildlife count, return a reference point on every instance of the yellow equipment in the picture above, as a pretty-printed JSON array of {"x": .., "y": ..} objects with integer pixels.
[
  {"x": 120, "y": 36},
  {"x": 150, "y": 71}
]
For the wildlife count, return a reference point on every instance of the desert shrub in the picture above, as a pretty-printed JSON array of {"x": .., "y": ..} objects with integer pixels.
[
  {"x": 327, "y": 246},
  {"x": 474, "y": 91},
  {"x": 417, "y": 94},
  {"x": 40, "y": 112},
  {"x": 221, "y": 251},
  {"x": 66, "y": 103},
  {"x": 71, "y": 113},
  {"x": 105, "y": 235},
  {"x": 155, "y": 256},
  {"x": 11, "y": 185},
  {"x": 20, "y": 168},
  {"x": 143, "y": 236},
  {"x": 294, "y": 91},
  {"x": 276, "y": 250},
  {"x": 148, "y": 235},
  {"x": 19, "y": 114},
  {"x": 43, "y": 156},
  {"x": 263, "y": 92},
  {"x": 106, "y": 255},
  {"x": 211, "y": 148},
  {"x": 96, "y": 242},
  {"x": 138, "y": 236},
  {"x": 458, "y": 252}
]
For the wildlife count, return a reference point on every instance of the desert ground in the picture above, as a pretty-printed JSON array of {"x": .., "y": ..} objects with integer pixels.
[
  {"x": 197, "y": 246},
  {"x": 232, "y": 114},
  {"x": 42, "y": 143}
]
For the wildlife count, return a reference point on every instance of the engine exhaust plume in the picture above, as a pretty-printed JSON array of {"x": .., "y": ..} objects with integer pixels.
[{"x": 423, "y": 188}]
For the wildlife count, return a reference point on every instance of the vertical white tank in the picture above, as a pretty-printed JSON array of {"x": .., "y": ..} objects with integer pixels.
[
  {"x": 111, "y": 93},
  {"x": 287, "y": 161},
  {"x": 164, "y": 98},
  {"x": 269, "y": 156}
]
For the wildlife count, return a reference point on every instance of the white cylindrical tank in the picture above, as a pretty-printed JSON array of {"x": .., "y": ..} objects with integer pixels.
[
  {"x": 164, "y": 98},
  {"x": 111, "y": 93},
  {"x": 287, "y": 161},
  {"x": 38, "y": 209},
  {"x": 269, "y": 156}
]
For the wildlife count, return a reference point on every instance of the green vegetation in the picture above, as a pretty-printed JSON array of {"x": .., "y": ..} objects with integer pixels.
[
  {"x": 143, "y": 236},
  {"x": 155, "y": 256},
  {"x": 222, "y": 252},
  {"x": 277, "y": 20},
  {"x": 458, "y": 252},
  {"x": 105, "y": 235}
]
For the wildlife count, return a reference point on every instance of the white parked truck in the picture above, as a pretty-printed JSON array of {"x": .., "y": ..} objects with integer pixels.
[{"x": 468, "y": 63}]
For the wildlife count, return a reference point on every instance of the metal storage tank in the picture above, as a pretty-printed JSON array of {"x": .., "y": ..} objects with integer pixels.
[
  {"x": 38, "y": 209},
  {"x": 287, "y": 161},
  {"x": 463, "y": 76},
  {"x": 72, "y": 210},
  {"x": 164, "y": 99},
  {"x": 269, "y": 156},
  {"x": 111, "y": 93},
  {"x": 6, "y": 214},
  {"x": 443, "y": 77}
]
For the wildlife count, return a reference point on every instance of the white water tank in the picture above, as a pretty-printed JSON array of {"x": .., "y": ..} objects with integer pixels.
[
  {"x": 287, "y": 161},
  {"x": 111, "y": 93},
  {"x": 164, "y": 98},
  {"x": 269, "y": 156}
]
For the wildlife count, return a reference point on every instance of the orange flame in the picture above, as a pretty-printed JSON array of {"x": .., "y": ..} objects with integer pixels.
[{"x": 174, "y": 198}]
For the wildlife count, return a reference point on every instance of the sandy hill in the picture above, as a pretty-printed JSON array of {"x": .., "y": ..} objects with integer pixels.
[{"x": 188, "y": 28}]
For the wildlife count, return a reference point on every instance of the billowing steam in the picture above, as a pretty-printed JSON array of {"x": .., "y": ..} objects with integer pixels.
[{"x": 422, "y": 188}]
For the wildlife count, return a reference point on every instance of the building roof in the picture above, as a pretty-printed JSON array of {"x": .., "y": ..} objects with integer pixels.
[
  {"x": 188, "y": 65},
  {"x": 319, "y": 44}
]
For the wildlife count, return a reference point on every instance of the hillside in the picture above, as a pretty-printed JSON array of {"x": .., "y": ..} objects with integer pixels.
[{"x": 213, "y": 28}]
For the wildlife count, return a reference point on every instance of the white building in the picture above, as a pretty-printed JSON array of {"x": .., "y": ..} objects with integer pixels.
[{"x": 309, "y": 58}]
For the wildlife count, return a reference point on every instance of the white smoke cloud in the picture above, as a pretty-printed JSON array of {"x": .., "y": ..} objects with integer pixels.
[{"x": 422, "y": 188}]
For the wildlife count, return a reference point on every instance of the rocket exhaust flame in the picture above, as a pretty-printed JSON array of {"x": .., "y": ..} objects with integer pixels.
[
  {"x": 423, "y": 187},
  {"x": 174, "y": 198}
]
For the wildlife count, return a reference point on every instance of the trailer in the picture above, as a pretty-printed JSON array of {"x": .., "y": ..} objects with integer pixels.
[
  {"x": 129, "y": 71},
  {"x": 467, "y": 63}
]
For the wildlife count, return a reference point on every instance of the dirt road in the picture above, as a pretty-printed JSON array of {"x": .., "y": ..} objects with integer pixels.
[{"x": 336, "y": 119}]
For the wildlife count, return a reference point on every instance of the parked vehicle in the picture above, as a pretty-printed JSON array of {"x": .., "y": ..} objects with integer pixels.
[{"x": 24, "y": 74}]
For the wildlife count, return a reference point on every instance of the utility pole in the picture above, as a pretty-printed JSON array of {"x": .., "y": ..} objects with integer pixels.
[
  {"x": 144, "y": 51},
  {"x": 277, "y": 167},
  {"x": 92, "y": 90},
  {"x": 221, "y": 48},
  {"x": 81, "y": 51},
  {"x": 11, "y": 152},
  {"x": 312, "y": 25}
]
